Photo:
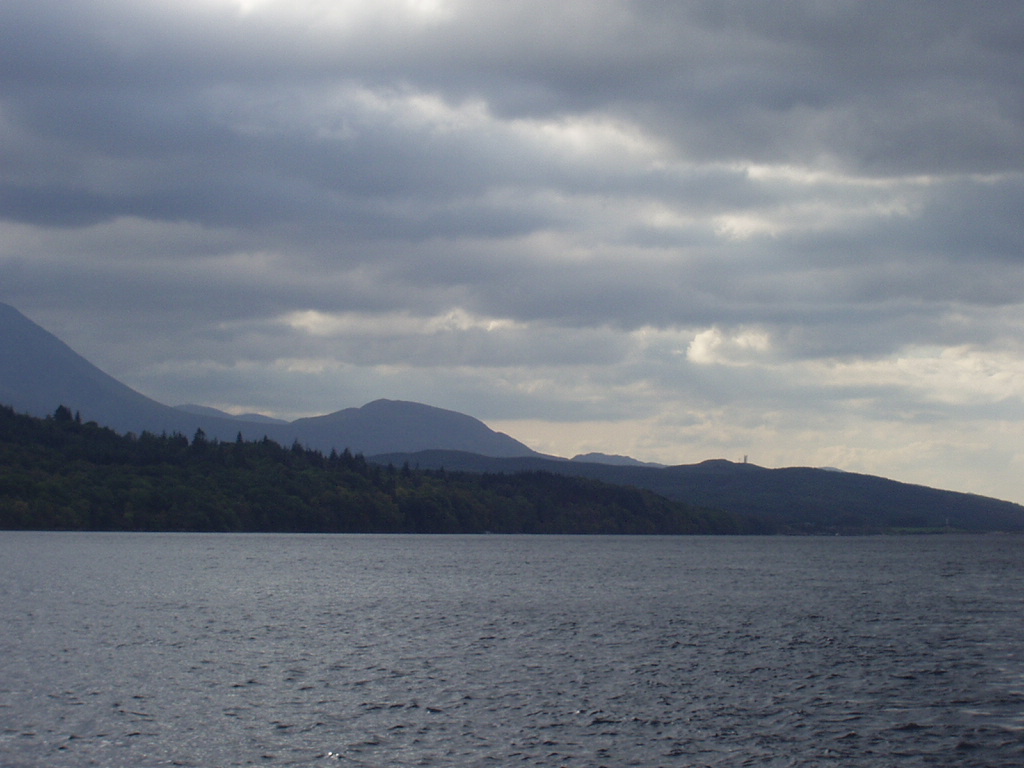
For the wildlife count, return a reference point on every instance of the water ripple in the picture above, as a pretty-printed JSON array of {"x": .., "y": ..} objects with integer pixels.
[{"x": 160, "y": 650}]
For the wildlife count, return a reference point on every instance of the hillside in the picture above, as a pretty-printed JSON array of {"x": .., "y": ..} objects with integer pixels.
[
  {"x": 60, "y": 473},
  {"x": 38, "y": 372},
  {"x": 789, "y": 500}
]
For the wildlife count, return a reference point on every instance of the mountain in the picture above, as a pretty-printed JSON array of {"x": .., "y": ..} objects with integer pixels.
[
  {"x": 788, "y": 500},
  {"x": 383, "y": 423},
  {"x": 39, "y": 372},
  {"x": 616, "y": 459}
]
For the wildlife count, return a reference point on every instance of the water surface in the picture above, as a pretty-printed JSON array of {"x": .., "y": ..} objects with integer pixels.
[{"x": 230, "y": 650}]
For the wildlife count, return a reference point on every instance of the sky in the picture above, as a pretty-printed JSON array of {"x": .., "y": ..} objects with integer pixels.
[{"x": 676, "y": 230}]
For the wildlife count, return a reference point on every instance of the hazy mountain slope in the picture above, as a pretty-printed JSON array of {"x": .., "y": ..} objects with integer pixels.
[
  {"x": 378, "y": 426},
  {"x": 38, "y": 372},
  {"x": 615, "y": 459}
]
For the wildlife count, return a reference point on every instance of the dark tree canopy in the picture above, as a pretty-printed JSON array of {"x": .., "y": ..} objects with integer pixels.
[{"x": 58, "y": 473}]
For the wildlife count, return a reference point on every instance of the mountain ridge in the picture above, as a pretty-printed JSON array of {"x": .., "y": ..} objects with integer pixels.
[
  {"x": 798, "y": 500},
  {"x": 39, "y": 372},
  {"x": 596, "y": 457}
]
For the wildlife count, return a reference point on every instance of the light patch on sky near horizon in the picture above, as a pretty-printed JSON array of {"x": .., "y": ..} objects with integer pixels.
[{"x": 677, "y": 231}]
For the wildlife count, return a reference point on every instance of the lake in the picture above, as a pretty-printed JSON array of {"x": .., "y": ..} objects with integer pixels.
[{"x": 232, "y": 649}]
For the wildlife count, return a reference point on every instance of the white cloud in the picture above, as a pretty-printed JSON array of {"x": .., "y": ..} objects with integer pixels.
[
  {"x": 343, "y": 15},
  {"x": 455, "y": 320},
  {"x": 740, "y": 347},
  {"x": 959, "y": 375}
]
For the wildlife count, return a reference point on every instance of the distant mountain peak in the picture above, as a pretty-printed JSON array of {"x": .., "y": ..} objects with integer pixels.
[
  {"x": 724, "y": 465},
  {"x": 39, "y": 372},
  {"x": 378, "y": 426},
  {"x": 613, "y": 460}
]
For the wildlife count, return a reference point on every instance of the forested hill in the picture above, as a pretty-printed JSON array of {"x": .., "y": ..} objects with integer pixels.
[
  {"x": 796, "y": 500},
  {"x": 60, "y": 474}
]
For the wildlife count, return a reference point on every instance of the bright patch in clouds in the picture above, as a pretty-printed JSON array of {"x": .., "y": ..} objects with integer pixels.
[
  {"x": 714, "y": 346},
  {"x": 952, "y": 376},
  {"x": 390, "y": 324},
  {"x": 593, "y": 138},
  {"x": 349, "y": 12}
]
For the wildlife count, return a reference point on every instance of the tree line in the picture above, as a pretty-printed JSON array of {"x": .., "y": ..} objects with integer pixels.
[{"x": 60, "y": 473}]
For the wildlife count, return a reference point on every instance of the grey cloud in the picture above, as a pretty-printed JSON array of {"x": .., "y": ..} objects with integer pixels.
[
  {"x": 760, "y": 85},
  {"x": 974, "y": 220},
  {"x": 872, "y": 85},
  {"x": 844, "y": 177}
]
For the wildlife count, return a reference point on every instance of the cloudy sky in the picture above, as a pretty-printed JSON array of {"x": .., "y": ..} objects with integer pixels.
[{"x": 676, "y": 229}]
